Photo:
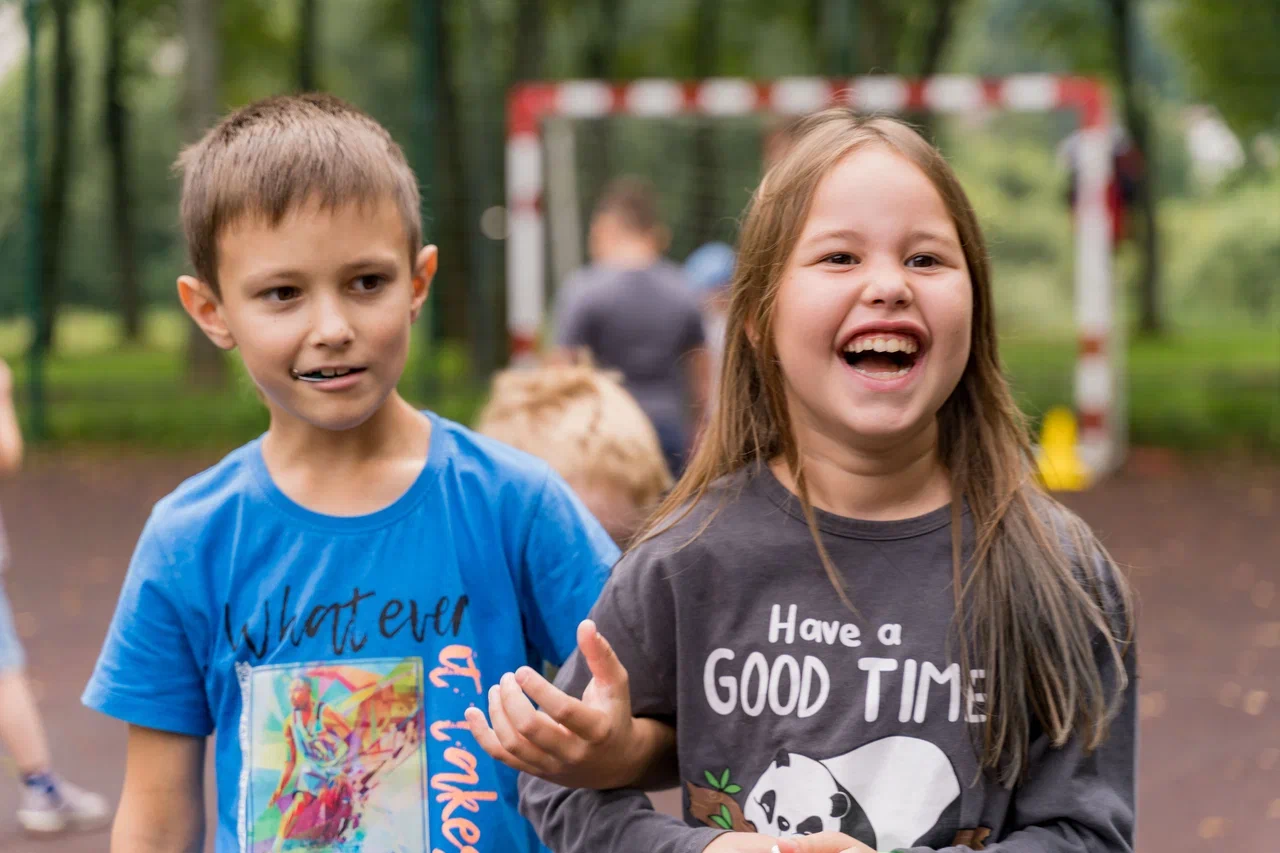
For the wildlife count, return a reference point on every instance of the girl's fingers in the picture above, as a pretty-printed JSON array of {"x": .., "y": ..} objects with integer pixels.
[
  {"x": 575, "y": 715},
  {"x": 489, "y": 742},
  {"x": 533, "y": 725},
  {"x": 605, "y": 667},
  {"x": 510, "y": 739}
]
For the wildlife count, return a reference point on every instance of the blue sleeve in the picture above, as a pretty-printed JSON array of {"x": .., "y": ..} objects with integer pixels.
[
  {"x": 148, "y": 673},
  {"x": 566, "y": 560}
]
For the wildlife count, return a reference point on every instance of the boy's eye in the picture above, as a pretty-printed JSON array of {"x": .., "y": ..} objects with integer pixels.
[
  {"x": 284, "y": 293},
  {"x": 843, "y": 258},
  {"x": 922, "y": 261},
  {"x": 368, "y": 283}
]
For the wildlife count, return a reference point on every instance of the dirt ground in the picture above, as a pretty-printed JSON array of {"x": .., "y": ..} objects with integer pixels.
[{"x": 1202, "y": 542}]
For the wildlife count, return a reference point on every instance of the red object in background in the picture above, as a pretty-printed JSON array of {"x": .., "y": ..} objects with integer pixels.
[{"x": 1127, "y": 171}]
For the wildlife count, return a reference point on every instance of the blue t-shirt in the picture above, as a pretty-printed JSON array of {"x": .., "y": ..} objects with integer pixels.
[{"x": 334, "y": 657}]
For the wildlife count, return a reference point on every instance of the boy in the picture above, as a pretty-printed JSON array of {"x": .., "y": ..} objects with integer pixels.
[
  {"x": 632, "y": 311},
  {"x": 50, "y": 804},
  {"x": 330, "y": 598},
  {"x": 590, "y": 430}
]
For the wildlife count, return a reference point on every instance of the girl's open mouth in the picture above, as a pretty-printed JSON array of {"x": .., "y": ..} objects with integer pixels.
[{"x": 882, "y": 355}]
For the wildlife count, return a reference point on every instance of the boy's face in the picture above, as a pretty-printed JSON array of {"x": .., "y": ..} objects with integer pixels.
[
  {"x": 319, "y": 306},
  {"x": 609, "y": 236}
]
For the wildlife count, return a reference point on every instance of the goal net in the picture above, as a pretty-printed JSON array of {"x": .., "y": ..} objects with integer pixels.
[{"x": 1034, "y": 153}]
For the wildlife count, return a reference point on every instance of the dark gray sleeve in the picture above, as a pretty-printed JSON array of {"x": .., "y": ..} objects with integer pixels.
[
  {"x": 695, "y": 331},
  {"x": 635, "y": 614},
  {"x": 1070, "y": 801},
  {"x": 571, "y": 317}
]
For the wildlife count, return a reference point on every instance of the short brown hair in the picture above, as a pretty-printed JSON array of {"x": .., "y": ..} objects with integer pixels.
[
  {"x": 271, "y": 156},
  {"x": 582, "y": 422},
  {"x": 634, "y": 201}
]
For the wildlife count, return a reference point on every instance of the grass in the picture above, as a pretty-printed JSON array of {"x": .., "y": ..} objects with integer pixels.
[
  {"x": 100, "y": 392},
  {"x": 1211, "y": 389}
]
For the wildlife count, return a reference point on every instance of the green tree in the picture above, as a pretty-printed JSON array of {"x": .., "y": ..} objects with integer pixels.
[
  {"x": 53, "y": 222},
  {"x": 117, "y": 131},
  {"x": 205, "y": 365},
  {"x": 1233, "y": 60},
  {"x": 1105, "y": 37}
]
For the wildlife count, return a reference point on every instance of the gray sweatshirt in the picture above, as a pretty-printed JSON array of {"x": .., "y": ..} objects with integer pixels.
[{"x": 794, "y": 715}]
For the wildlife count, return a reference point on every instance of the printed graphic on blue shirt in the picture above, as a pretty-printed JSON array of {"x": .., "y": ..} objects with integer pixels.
[{"x": 334, "y": 757}]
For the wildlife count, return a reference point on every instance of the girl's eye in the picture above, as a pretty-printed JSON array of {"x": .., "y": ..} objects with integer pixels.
[
  {"x": 922, "y": 262},
  {"x": 284, "y": 293},
  {"x": 368, "y": 283},
  {"x": 842, "y": 258}
]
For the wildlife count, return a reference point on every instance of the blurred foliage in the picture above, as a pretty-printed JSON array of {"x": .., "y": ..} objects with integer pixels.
[
  {"x": 1220, "y": 252},
  {"x": 1232, "y": 58}
]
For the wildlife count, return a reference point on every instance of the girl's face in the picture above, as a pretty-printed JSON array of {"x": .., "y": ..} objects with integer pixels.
[{"x": 873, "y": 313}]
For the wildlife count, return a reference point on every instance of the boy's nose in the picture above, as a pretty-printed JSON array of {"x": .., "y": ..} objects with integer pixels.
[{"x": 331, "y": 327}]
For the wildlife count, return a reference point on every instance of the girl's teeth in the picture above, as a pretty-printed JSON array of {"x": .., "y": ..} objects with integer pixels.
[
  {"x": 884, "y": 374},
  {"x": 327, "y": 372},
  {"x": 885, "y": 345}
]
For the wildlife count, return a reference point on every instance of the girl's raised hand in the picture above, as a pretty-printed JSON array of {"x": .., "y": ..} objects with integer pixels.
[{"x": 588, "y": 743}]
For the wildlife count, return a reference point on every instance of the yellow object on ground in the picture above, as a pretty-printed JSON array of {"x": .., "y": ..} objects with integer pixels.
[{"x": 1061, "y": 468}]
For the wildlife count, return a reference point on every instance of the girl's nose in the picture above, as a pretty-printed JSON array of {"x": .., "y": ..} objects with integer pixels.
[{"x": 886, "y": 286}]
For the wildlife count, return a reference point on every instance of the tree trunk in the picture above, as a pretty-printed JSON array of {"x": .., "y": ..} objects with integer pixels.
[
  {"x": 939, "y": 36},
  {"x": 307, "y": 45},
  {"x": 935, "y": 47},
  {"x": 530, "y": 40},
  {"x": 598, "y": 65},
  {"x": 705, "y": 185},
  {"x": 452, "y": 218},
  {"x": 1137, "y": 119},
  {"x": 879, "y": 35},
  {"x": 55, "y": 195},
  {"x": 117, "y": 129},
  {"x": 205, "y": 365}
]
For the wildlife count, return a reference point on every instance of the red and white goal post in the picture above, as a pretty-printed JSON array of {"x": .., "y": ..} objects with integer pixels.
[{"x": 1098, "y": 370}]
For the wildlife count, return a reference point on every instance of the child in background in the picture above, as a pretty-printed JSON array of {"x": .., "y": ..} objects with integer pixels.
[
  {"x": 709, "y": 271},
  {"x": 856, "y": 623},
  {"x": 589, "y": 429},
  {"x": 330, "y": 598},
  {"x": 50, "y": 804},
  {"x": 632, "y": 311}
]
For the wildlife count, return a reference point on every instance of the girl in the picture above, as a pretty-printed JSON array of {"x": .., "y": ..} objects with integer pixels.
[
  {"x": 865, "y": 450},
  {"x": 49, "y": 803}
]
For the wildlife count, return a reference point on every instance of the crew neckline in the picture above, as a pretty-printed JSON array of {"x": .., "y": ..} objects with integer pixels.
[
  {"x": 768, "y": 483},
  {"x": 388, "y": 514}
]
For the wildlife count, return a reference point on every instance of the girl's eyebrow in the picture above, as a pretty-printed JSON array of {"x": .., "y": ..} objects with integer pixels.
[
  {"x": 835, "y": 234},
  {"x": 936, "y": 236}
]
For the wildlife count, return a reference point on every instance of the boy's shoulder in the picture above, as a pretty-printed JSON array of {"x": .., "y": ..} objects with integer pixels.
[
  {"x": 194, "y": 505},
  {"x": 487, "y": 462}
]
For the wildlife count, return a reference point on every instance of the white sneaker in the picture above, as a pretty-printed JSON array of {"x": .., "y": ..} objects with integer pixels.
[{"x": 66, "y": 807}]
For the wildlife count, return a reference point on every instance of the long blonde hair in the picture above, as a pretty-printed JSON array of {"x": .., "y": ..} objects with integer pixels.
[{"x": 1039, "y": 589}]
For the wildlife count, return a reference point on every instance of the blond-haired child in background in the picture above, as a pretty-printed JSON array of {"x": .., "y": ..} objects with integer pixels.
[{"x": 581, "y": 421}]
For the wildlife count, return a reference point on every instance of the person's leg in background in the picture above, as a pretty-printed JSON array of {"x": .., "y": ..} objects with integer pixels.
[{"x": 49, "y": 803}]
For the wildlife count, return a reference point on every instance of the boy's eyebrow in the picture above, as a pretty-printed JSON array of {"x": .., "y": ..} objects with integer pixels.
[{"x": 368, "y": 261}]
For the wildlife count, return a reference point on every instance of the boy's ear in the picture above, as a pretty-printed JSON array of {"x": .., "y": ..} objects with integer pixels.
[
  {"x": 424, "y": 270},
  {"x": 202, "y": 305}
]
